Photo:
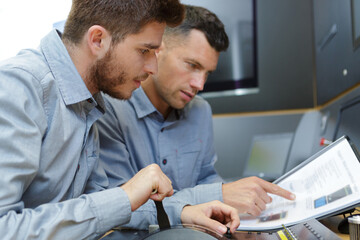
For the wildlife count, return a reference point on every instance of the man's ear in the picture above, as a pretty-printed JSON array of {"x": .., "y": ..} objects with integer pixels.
[{"x": 98, "y": 41}]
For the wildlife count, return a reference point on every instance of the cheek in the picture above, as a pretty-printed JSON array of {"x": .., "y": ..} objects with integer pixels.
[
  {"x": 134, "y": 68},
  {"x": 173, "y": 70},
  {"x": 133, "y": 62}
]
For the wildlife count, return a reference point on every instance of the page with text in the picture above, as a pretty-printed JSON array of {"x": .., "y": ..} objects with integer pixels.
[{"x": 325, "y": 184}]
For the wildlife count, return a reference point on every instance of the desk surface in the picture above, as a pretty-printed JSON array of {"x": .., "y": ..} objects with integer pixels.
[
  {"x": 331, "y": 223},
  {"x": 302, "y": 231}
]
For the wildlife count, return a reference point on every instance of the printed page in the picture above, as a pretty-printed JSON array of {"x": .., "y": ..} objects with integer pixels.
[{"x": 325, "y": 185}]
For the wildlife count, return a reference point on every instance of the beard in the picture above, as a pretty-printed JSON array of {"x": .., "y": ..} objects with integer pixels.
[{"x": 107, "y": 75}]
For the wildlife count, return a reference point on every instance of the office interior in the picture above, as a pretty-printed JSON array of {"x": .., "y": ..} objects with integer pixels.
[{"x": 306, "y": 57}]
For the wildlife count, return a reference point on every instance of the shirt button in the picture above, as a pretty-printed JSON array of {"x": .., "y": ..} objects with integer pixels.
[{"x": 164, "y": 161}]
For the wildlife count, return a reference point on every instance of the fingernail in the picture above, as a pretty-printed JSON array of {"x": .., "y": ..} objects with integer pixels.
[
  {"x": 293, "y": 196},
  {"x": 222, "y": 229}
]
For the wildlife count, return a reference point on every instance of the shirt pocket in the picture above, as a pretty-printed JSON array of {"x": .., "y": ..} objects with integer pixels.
[{"x": 189, "y": 165}]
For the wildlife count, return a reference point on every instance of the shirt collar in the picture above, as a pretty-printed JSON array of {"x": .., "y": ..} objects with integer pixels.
[
  {"x": 143, "y": 106},
  {"x": 71, "y": 85},
  {"x": 99, "y": 100},
  {"x": 141, "y": 103}
]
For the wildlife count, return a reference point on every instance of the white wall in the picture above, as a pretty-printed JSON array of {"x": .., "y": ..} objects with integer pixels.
[{"x": 23, "y": 23}]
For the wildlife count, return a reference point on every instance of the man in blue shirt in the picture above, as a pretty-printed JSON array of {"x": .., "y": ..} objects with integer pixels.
[
  {"x": 52, "y": 184},
  {"x": 166, "y": 123}
]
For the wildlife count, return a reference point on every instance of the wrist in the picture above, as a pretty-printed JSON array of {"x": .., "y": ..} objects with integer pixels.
[
  {"x": 131, "y": 196},
  {"x": 184, "y": 218}
]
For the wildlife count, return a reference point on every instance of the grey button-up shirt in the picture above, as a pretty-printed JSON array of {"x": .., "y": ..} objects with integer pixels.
[
  {"x": 49, "y": 151},
  {"x": 133, "y": 134}
]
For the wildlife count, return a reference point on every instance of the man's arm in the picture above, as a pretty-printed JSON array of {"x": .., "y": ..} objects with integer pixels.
[
  {"x": 23, "y": 125},
  {"x": 146, "y": 214},
  {"x": 248, "y": 195},
  {"x": 86, "y": 217},
  {"x": 114, "y": 153}
]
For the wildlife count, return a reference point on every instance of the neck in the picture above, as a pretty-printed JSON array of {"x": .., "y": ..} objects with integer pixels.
[
  {"x": 156, "y": 100},
  {"x": 82, "y": 61}
]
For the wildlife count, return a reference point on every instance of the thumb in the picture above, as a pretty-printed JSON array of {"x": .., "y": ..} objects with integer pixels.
[{"x": 161, "y": 196}]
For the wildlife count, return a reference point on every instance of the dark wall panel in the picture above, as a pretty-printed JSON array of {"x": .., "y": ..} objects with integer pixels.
[
  {"x": 337, "y": 63},
  {"x": 285, "y": 60}
]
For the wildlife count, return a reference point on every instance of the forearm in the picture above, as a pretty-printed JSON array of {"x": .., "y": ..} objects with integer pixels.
[
  {"x": 201, "y": 193},
  {"x": 86, "y": 217},
  {"x": 146, "y": 214}
]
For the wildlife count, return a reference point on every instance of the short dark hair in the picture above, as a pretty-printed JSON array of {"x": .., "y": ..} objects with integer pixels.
[
  {"x": 201, "y": 19},
  {"x": 119, "y": 17}
]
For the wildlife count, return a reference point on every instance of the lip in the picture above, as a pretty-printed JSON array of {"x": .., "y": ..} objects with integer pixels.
[
  {"x": 139, "y": 80},
  {"x": 138, "y": 83},
  {"x": 187, "y": 96}
]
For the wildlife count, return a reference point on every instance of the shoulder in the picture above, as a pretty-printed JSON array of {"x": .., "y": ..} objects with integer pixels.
[
  {"x": 28, "y": 63},
  {"x": 26, "y": 74},
  {"x": 199, "y": 105},
  {"x": 117, "y": 110},
  {"x": 198, "y": 110},
  {"x": 113, "y": 103}
]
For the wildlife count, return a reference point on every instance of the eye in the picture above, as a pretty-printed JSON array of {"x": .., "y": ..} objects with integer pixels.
[
  {"x": 144, "y": 51},
  {"x": 192, "y": 65}
]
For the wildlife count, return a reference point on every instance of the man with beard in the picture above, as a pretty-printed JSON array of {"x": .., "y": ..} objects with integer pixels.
[
  {"x": 164, "y": 122},
  {"x": 52, "y": 184}
]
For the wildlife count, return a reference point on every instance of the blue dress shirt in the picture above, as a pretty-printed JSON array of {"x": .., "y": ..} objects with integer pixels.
[
  {"x": 49, "y": 151},
  {"x": 133, "y": 134}
]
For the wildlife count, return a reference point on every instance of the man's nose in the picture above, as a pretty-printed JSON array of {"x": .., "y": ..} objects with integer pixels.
[
  {"x": 198, "y": 82},
  {"x": 151, "y": 66}
]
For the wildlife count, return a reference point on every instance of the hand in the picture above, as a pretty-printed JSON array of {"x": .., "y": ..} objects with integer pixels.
[
  {"x": 140, "y": 187},
  {"x": 249, "y": 195},
  {"x": 212, "y": 215}
]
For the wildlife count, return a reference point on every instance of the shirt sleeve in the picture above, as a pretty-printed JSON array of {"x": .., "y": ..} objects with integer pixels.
[
  {"x": 146, "y": 214},
  {"x": 86, "y": 217},
  {"x": 22, "y": 127},
  {"x": 113, "y": 151}
]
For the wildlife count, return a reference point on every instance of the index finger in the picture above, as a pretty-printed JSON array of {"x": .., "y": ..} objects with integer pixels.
[
  {"x": 275, "y": 189},
  {"x": 231, "y": 216},
  {"x": 235, "y": 222}
]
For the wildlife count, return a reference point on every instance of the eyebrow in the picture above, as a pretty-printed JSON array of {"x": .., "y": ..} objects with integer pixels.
[
  {"x": 194, "y": 61},
  {"x": 199, "y": 64},
  {"x": 151, "y": 46}
]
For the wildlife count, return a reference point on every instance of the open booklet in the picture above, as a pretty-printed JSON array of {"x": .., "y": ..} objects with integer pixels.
[{"x": 325, "y": 184}]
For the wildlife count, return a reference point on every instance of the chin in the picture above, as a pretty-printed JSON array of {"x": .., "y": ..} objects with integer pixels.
[
  {"x": 179, "y": 106},
  {"x": 121, "y": 95}
]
